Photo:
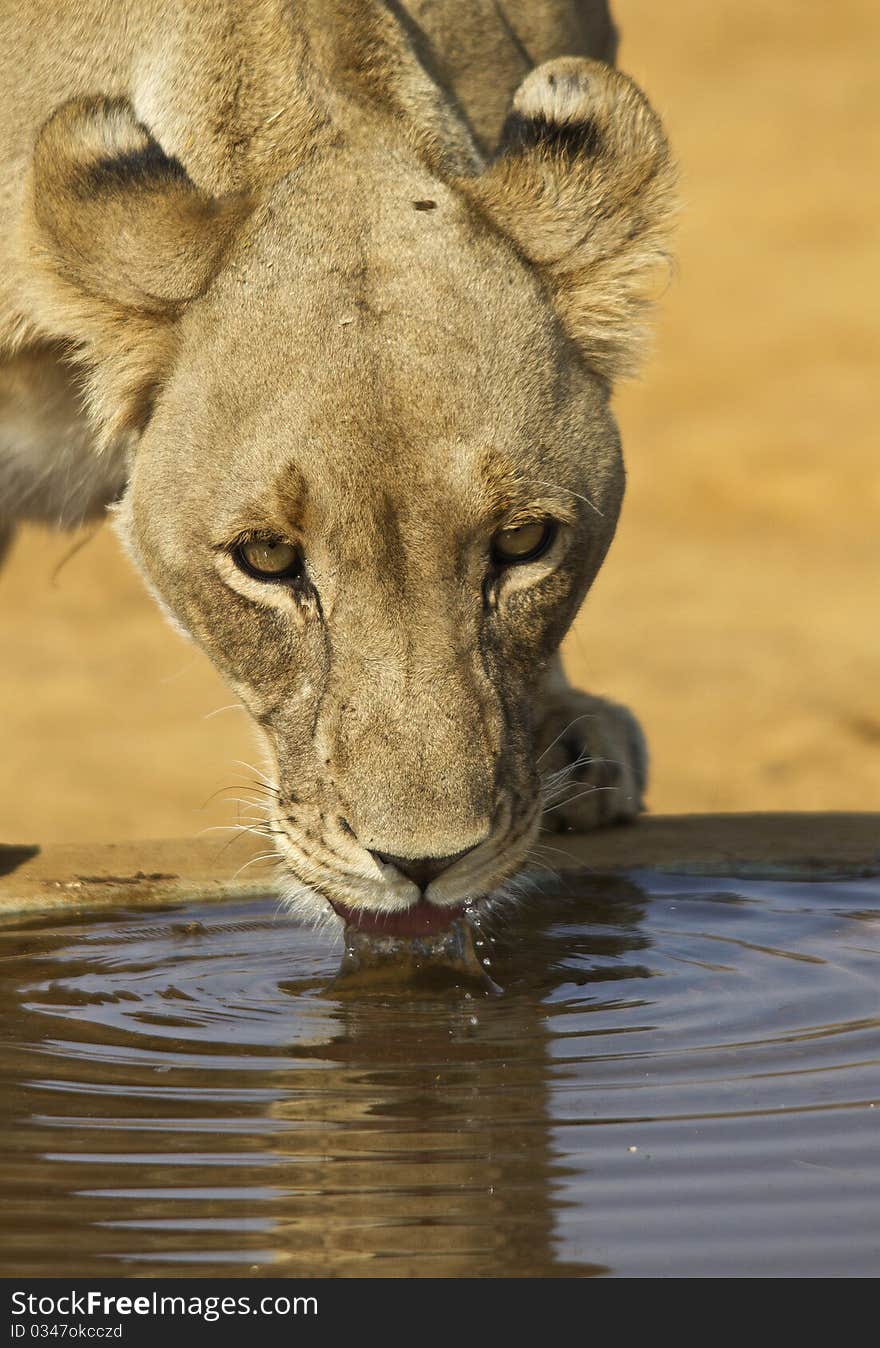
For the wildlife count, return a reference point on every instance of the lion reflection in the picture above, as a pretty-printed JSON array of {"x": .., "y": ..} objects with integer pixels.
[{"x": 420, "y": 1132}]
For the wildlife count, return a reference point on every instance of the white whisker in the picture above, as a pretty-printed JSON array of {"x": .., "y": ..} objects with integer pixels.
[
  {"x": 584, "y": 716},
  {"x": 261, "y": 856},
  {"x": 249, "y": 767},
  {"x": 590, "y": 791},
  {"x": 558, "y": 487}
]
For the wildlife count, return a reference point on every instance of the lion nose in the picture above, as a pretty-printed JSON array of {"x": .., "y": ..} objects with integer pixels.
[{"x": 421, "y": 870}]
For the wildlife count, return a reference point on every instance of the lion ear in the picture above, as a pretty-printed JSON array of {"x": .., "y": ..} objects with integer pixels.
[
  {"x": 584, "y": 185},
  {"x": 120, "y": 240}
]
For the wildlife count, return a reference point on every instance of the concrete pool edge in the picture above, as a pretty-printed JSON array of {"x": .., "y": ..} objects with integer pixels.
[{"x": 79, "y": 877}]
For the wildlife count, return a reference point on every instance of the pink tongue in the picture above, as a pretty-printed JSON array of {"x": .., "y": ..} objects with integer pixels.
[{"x": 422, "y": 919}]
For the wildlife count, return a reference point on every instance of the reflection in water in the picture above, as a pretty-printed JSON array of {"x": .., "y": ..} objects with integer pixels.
[
  {"x": 427, "y": 1146},
  {"x": 675, "y": 1079}
]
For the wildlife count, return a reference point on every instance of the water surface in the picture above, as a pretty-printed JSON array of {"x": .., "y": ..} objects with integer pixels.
[{"x": 680, "y": 1078}]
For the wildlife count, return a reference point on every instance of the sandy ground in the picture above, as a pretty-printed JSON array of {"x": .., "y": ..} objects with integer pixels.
[{"x": 737, "y": 611}]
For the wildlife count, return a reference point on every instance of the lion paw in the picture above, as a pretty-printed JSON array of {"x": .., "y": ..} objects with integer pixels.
[{"x": 593, "y": 762}]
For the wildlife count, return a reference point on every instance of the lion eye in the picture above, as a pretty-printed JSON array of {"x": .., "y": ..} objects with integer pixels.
[
  {"x": 268, "y": 559},
  {"x": 512, "y": 547}
]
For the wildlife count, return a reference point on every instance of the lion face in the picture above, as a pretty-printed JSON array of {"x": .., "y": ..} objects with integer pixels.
[
  {"x": 375, "y": 469},
  {"x": 385, "y": 486}
]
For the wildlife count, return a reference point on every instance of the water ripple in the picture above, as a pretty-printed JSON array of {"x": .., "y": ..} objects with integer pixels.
[{"x": 680, "y": 1078}]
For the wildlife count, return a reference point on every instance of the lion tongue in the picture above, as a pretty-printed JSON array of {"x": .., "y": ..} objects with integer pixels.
[{"x": 421, "y": 919}]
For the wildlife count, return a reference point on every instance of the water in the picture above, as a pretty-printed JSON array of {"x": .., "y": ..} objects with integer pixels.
[{"x": 679, "y": 1078}]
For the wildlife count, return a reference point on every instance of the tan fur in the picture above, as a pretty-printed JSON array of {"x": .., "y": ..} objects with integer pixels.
[{"x": 299, "y": 301}]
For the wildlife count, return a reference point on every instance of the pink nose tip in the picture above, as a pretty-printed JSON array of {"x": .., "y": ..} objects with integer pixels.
[{"x": 421, "y": 870}]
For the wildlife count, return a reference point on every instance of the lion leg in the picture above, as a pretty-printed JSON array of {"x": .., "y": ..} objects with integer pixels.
[{"x": 593, "y": 758}]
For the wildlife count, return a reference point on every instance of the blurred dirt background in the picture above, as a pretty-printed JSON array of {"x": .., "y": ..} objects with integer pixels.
[{"x": 738, "y": 609}]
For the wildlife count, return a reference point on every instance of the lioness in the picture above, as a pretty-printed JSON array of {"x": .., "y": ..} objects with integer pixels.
[{"x": 328, "y": 297}]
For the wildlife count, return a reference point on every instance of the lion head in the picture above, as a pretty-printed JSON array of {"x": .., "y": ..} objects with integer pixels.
[{"x": 373, "y": 467}]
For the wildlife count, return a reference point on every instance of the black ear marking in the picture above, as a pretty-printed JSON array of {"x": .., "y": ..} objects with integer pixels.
[
  {"x": 136, "y": 168},
  {"x": 571, "y": 138}
]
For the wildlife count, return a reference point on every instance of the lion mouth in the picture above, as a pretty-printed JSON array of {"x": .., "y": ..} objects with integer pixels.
[{"x": 420, "y": 919}]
